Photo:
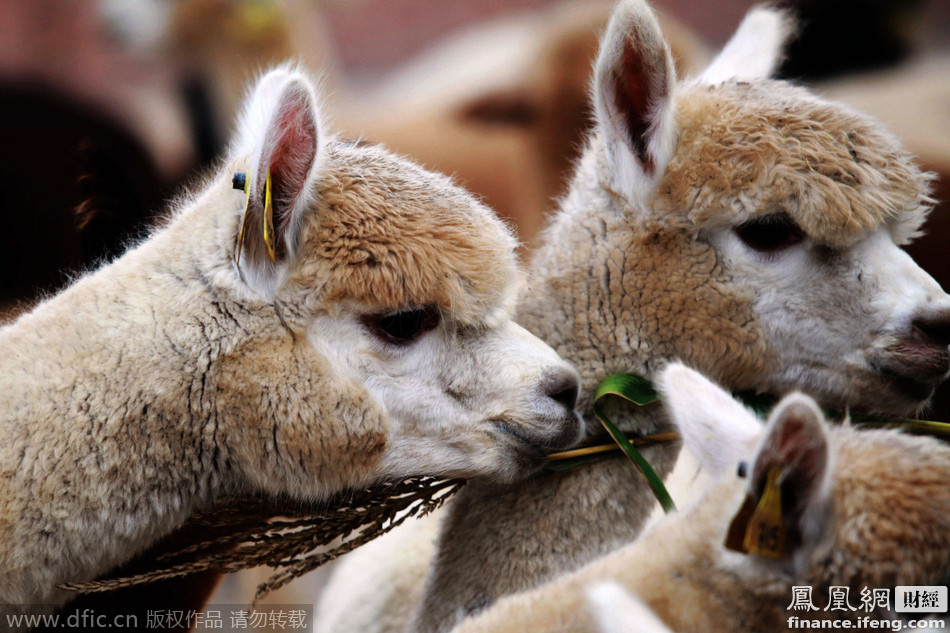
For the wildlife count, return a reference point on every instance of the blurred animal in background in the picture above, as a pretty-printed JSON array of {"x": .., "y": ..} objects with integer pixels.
[
  {"x": 859, "y": 510},
  {"x": 502, "y": 106},
  {"x": 215, "y": 46},
  {"x": 61, "y": 157}
]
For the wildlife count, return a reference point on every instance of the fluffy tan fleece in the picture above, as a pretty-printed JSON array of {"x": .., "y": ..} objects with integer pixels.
[{"x": 752, "y": 148}]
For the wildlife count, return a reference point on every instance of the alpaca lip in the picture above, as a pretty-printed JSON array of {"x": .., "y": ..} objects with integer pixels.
[
  {"x": 530, "y": 452},
  {"x": 915, "y": 370},
  {"x": 916, "y": 361},
  {"x": 923, "y": 358},
  {"x": 509, "y": 428},
  {"x": 567, "y": 437}
]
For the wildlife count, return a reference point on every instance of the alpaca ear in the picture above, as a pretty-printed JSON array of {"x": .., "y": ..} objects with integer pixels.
[
  {"x": 719, "y": 431},
  {"x": 281, "y": 139},
  {"x": 795, "y": 445},
  {"x": 787, "y": 506},
  {"x": 755, "y": 50},
  {"x": 633, "y": 85}
]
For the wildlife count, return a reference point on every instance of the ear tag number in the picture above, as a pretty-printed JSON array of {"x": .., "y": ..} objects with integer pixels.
[
  {"x": 242, "y": 181},
  {"x": 269, "y": 221},
  {"x": 760, "y": 529}
]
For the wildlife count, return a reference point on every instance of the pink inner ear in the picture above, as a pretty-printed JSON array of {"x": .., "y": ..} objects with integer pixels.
[
  {"x": 803, "y": 441},
  {"x": 800, "y": 448},
  {"x": 295, "y": 132},
  {"x": 635, "y": 92}
]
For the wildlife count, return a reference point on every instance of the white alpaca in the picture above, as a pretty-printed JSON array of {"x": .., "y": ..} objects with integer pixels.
[
  {"x": 857, "y": 509},
  {"x": 739, "y": 223},
  {"x": 364, "y": 332}
]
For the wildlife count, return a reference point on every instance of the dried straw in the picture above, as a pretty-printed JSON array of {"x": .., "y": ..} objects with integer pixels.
[
  {"x": 295, "y": 538},
  {"x": 290, "y": 536}
]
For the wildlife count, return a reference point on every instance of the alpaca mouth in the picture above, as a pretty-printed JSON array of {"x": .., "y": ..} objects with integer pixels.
[
  {"x": 914, "y": 370},
  {"x": 529, "y": 453}
]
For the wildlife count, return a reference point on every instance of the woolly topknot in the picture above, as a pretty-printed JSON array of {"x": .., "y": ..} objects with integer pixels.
[{"x": 755, "y": 149}]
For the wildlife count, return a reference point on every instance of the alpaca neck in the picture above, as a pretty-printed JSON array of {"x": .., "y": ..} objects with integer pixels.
[{"x": 108, "y": 417}]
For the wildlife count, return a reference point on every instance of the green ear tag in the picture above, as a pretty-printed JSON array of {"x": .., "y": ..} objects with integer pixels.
[
  {"x": 245, "y": 181},
  {"x": 760, "y": 530},
  {"x": 269, "y": 221}
]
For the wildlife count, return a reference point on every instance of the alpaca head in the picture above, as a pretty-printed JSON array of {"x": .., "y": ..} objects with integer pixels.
[
  {"x": 403, "y": 282},
  {"x": 776, "y": 219},
  {"x": 859, "y": 507}
]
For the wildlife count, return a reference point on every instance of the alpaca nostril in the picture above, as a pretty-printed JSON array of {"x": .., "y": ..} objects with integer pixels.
[
  {"x": 562, "y": 387},
  {"x": 934, "y": 329}
]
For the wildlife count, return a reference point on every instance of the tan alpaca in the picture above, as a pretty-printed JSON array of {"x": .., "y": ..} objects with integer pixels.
[
  {"x": 739, "y": 223},
  {"x": 861, "y": 508},
  {"x": 378, "y": 343}
]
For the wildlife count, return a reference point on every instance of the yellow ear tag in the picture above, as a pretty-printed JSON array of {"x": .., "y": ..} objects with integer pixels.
[
  {"x": 765, "y": 534},
  {"x": 269, "y": 221},
  {"x": 762, "y": 529},
  {"x": 246, "y": 180}
]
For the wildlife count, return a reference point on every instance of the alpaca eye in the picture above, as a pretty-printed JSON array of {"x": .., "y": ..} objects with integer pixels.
[
  {"x": 770, "y": 234},
  {"x": 402, "y": 327}
]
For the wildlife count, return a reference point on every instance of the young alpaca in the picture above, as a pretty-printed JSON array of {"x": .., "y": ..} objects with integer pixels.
[
  {"x": 859, "y": 508},
  {"x": 739, "y": 223},
  {"x": 365, "y": 333}
]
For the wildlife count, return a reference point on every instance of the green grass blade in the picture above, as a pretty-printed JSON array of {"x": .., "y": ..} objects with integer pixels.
[
  {"x": 639, "y": 391},
  {"x": 940, "y": 430},
  {"x": 636, "y": 389}
]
